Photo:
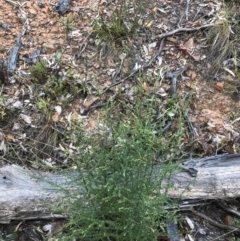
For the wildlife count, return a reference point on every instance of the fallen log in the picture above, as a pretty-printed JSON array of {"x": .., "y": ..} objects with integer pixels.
[{"x": 29, "y": 194}]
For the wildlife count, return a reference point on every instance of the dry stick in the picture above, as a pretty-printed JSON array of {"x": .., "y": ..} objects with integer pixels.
[
  {"x": 83, "y": 46},
  {"x": 93, "y": 107},
  {"x": 227, "y": 209},
  {"x": 178, "y": 30},
  {"x": 173, "y": 76},
  {"x": 15, "y": 4},
  {"x": 186, "y": 12},
  {"x": 225, "y": 234},
  {"x": 215, "y": 223},
  {"x": 14, "y": 52},
  {"x": 161, "y": 36},
  {"x": 118, "y": 72},
  {"x": 190, "y": 125},
  {"x": 137, "y": 70}
]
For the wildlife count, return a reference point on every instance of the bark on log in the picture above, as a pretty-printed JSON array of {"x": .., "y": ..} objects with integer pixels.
[{"x": 28, "y": 194}]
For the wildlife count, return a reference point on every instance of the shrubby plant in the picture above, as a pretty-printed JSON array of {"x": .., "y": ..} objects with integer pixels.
[
  {"x": 121, "y": 194},
  {"x": 126, "y": 20},
  {"x": 39, "y": 72}
]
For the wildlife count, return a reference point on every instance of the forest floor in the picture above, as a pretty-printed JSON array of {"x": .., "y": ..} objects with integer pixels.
[{"x": 70, "y": 67}]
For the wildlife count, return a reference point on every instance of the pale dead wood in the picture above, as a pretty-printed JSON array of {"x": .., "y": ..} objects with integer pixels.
[
  {"x": 180, "y": 30},
  {"x": 28, "y": 194},
  {"x": 218, "y": 177}
]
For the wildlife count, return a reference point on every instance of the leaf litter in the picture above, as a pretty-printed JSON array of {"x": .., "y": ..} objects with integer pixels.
[{"x": 35, "y": 122}]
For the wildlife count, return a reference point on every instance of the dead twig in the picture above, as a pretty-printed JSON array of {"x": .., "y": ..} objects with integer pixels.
[
  {"x": 215, "y": 223},
  {"x": 93, "y": 107},
  {"x": 178, "y": 30},
  {"x": 186, "y": 12},
  {"x": 14, "y": 3},
  {"x": 227, "y": 209},
  {"x": 225, "y": 234},
  {"x": 12, "y": 59},
  {"x": 173, "y": 76},
  {"x": 190, "y": 125},
  {"x": 137, "y": 70},
  {"x": 119, "y": 71},
  {"x": 162, "y": 37},
  {"x": 83, "y": 46},
  {"x": 183, "y": 48}
]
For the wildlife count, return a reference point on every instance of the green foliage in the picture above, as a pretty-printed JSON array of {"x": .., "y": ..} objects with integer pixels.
[
  {"x": 125, "y": 21},
  {"x": 222, "y": 46},
  {"x": 121, "y": 194},
  {"x": 6, "y": 113},
  {"x": 115, "y": 30},
  {"x": 3, "y": 109},
  {"x": 44, "y": 106},
  {"x": 223, "y": 38},
  {"x": 67, "y": 23},
  {"x": 38, "y": 72},
  {"x": 66, "y": 86}
]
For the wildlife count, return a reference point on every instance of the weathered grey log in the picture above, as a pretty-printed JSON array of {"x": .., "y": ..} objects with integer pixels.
[
  {"x": 218, "y": 177},
  {"x": 28, "y": 194},
  {"x": 12, "y": 59}
]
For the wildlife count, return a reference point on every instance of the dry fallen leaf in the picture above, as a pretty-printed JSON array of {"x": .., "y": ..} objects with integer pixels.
[
  {"x": 217, "y": 139},
  {"x": 26, "y": 118},
  {"x": 192, "y": 74},
  {"x": 89, "y": 101},
  {"x": 219, "y": 86},
  {"x": 3, "y": 147},
  {"x": 18, "y": 105},
  {"x": 110, "y": 62},
  {"x": 155, "y": 10},
  {"x": 58, "y": 109},
  {"x": 16, "y": 127},
  {"x": 229, "y": 71},
  {"x": 149, "y": 24},
  {"x": 62, "y": 148},
  {"x": 229, "y": 128},
  {"x": 2, "y": 136},
  {"x": 211, "y": 114},
  {"x": 145, "y": 88},
  {"x": 92, "y": 123},
  {"x": 56, "y": 227},
  {"x": 190, "y": 85},
  {"x": 215, "y": 124},
  {"x": 10, "y": 137},
  {"x": 32, "y": 11},
  {"x": 213, "y": 119},
  {"x": 122, "y": 56},
  {"x": 102, "y": 2},
  {"x": 152, "y": 45},
  {"x": 190, "y": 237},
  {"x": 55, "y": 117},
  {"x": 189, "y": 44},
  {"x": 190, "y": 222}
]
